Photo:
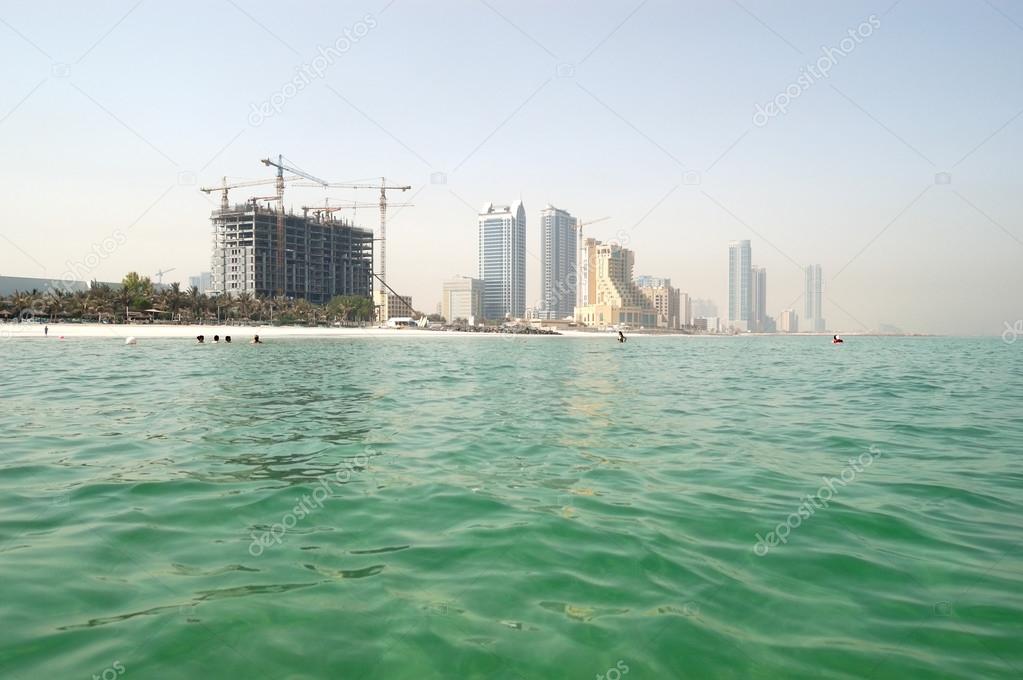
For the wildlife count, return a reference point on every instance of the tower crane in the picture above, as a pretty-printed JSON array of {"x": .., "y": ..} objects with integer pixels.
[
  {"x": 281, "y": 239},
  {"x": 235, "y": 185},
  {"x": 326, "y": 208},
  {"x": 159, "y": 274},
  {"x": 383, "y": 187},
  {"x": 581, "y": 298}
]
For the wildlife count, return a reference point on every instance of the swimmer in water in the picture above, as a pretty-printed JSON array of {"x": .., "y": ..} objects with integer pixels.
[
  {"x": 621, "y": 337},
  {"x": 200, "y": 339},
  {"x": 216, "y": 338},
  {"x": 257, "y": 341},
  {"x": 227, "y": 338},
  {"x": 836, "y": 340}
]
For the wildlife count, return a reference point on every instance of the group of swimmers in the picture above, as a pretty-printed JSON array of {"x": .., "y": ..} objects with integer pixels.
[{"x": 201, "y": 340}]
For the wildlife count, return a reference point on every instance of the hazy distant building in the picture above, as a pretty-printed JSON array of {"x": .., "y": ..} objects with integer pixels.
[
  {"x": 559, "y": 251},
  {"x": 812, "y": 318},
  {"x": 614, "y": 298},
  {"x": 758, "y": 300},
  {"x": 10, "y": 285},
  {"x": 739, "y": 284},
  {"x": 204, "y": 281},
  {"x": 319, "y": 259},
  {"x": 789, "y": 321},
  {"x": 704, "y": 308},
  {"x": 502, "y": 259},
  {"x": 664, "y": 298},
  {"x": 685, "y": 308},
  {"x": 462, "y": 299}
]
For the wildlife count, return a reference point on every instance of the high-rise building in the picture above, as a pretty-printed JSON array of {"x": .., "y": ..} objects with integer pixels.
[
  {"x": 502, "y": 259},
  {"x": 685, "y": 308},
  {"x": 664, "y": 298},
  {"x": 789, "y": 321},
  {"x": 462, "y": 299},
  {"x": 813, "y": 298},
  {"x": 758, "y": 300},
  {"x": 558, "y": 254},
  {"x": 614, "y": 298},
  {"x": 321, "y": 258},
  {"x": 739, "y": 284}
]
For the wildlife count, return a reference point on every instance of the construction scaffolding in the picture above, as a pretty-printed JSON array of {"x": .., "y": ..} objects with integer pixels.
[{"x": 322, "y": 256}]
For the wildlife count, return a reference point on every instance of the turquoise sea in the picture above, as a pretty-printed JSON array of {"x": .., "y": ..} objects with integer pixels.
[{"x": 501, "y": 507}]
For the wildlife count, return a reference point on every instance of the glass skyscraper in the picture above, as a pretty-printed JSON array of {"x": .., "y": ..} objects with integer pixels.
[
  {"x": 812, "y": 311},
  {"x": 739, "y": 283},
  {"x": 502, "y": 260},
  {"x": 559, "y": 251}
]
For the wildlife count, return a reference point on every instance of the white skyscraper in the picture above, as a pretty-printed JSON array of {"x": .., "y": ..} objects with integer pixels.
[
  {"x": 739, "y": 284},
  {"x": 502, "y": 259},
  {"x": 758, "y": 299},
  {"x": 558, "y": 255},
  {"x": 813, "y": 296}
]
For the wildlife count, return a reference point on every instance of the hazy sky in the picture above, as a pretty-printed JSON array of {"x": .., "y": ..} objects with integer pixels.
[{"x": 113, "y": 113}]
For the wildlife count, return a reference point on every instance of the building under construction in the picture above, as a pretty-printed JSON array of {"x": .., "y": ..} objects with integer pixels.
[{"x": 323, "y": 256}]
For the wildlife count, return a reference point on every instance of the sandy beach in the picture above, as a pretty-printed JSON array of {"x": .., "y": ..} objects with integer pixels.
[{"x": 240, "y": 333}]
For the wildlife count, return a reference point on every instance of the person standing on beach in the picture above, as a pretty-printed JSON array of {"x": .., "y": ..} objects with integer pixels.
[{"x": 46, "y": 330}]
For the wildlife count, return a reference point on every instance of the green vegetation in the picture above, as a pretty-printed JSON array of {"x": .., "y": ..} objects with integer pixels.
[{"x": 138, "y": 298}]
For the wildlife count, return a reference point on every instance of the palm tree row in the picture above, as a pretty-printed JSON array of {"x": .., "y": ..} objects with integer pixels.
[{"x": 138, "y": 298}]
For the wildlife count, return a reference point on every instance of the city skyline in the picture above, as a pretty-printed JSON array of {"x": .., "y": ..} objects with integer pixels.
[{"x": 862, "y": 166}]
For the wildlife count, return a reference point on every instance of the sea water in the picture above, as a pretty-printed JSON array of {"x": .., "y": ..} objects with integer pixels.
[{"x": 512, "y": 507}]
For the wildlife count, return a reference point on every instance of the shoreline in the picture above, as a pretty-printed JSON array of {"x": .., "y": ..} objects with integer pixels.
[{"x": 33, "y": 330}]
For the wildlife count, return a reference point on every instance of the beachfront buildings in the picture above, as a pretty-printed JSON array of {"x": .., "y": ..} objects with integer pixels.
[
  {"x": 739, "y": 284},
  {"x": 813, "y": 321},
  {"x": 789, "y": 321},
  {"x": 685, "y": 308},
  {"x": 502, "y": 260},
  {"x": 664, "y": 298},
  {"x": 614, "y": 298},
  {"x": 758, "y": 300},
  {"x": 391, "y": 306},
  {"x": 320, "y": 258},
  {"x": 462, "y": 299},
  {"x": 559, "y": 251}
]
